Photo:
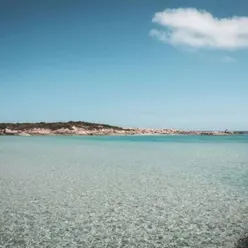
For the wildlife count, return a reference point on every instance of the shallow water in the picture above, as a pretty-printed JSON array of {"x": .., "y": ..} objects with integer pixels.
[{"x": 173, "y": 191}]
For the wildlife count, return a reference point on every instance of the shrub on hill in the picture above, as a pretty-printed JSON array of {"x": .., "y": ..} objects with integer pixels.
[{"x": 56, "y": 125}]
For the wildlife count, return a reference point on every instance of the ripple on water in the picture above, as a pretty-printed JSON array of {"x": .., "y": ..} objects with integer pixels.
[{"x": 86, "y": 194}]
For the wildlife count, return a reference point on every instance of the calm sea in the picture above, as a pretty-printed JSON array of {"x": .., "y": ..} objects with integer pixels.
[{"x": 139, "y": 191}]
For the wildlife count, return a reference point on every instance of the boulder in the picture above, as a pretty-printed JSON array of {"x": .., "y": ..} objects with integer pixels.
[{"x": 10, "y": 131}]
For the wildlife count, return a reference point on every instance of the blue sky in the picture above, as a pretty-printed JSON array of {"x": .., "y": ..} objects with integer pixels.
[{"x": 171, "y": 64}]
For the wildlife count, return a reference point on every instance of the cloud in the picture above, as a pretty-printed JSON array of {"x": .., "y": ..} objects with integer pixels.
[
  {"x": 199, "y": 29},
  {"x": 227, "y": 59}
]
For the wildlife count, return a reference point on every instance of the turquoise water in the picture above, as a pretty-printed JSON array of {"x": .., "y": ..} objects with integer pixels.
[{"x": 137, "y": 191}]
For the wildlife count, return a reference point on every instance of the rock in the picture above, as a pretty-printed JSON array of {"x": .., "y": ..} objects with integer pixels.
[
  {"x": 10, "y": 132},
  {"x": 62, "y": 131},
  {"x": 81, "y": 132},
  {"x": 24, "y": 134},
  {"x": 242, "y": 243},
  {"x": 74, "y": 128},
  {"x": 40, "y": 131}
]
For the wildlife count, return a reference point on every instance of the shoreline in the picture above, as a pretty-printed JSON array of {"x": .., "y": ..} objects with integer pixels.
[
  {"x": 94, "y": 129},
  {"x": 96, "y": 134},
  {"x": 110, "y": 135}
]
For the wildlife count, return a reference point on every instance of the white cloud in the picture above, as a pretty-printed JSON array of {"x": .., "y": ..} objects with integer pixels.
[
  {"x": 199, "y": 29},
  {"x": 228, "y": 59}
]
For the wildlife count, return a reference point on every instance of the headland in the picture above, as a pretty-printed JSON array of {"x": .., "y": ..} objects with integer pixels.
[{"x": 88, "y": 128}]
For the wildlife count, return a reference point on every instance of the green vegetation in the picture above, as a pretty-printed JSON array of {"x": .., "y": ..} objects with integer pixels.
[{"x": 57, "y": 125}]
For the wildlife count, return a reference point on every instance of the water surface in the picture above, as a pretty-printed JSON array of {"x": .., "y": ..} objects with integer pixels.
[{"x": 137, "y": 191}]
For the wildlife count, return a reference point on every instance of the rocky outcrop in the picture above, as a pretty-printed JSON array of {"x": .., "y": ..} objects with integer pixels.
[
  {"x": 84, "y": 128},
  {"x": 10, "y": 132},
  {"x": 39, "y": 131}
]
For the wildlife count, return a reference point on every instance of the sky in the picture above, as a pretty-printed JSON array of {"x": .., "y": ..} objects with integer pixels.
[{"x": 134, "y": 63}]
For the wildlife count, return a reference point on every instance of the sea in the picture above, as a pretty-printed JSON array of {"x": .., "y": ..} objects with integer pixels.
[{"x": 128, "y": 191}]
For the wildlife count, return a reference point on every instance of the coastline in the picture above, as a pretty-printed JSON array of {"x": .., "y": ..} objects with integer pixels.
[{"x": 93, "y": 129}]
